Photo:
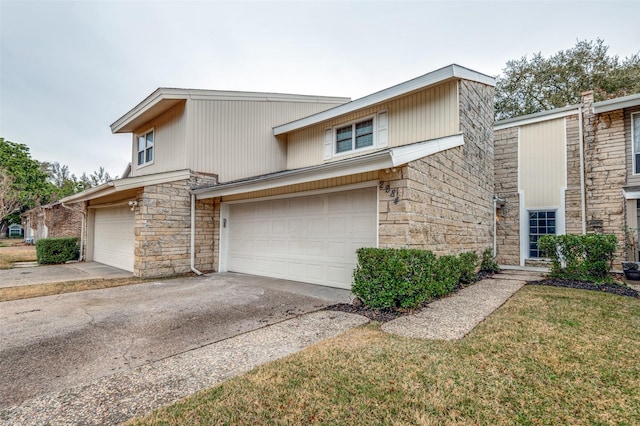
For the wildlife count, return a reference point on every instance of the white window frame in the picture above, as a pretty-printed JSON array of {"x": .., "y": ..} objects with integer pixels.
[
  {"x": 540, "y": 210},
  {"x": 634, "y": 116},
  {"x": 146, "y": 149},
  {"x": 353, "y": 136}
]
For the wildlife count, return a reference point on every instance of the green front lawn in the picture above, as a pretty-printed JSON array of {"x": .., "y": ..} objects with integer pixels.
[{"x": 549, "y": 356}]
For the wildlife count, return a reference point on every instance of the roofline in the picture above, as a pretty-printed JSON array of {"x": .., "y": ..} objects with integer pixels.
[
  {"x": 537, "y": 117},
  {"x": 449, "y": 72},
  {"x": 390, "y": 157},
  {"x": 118, "y": 185},
  {"x": 165, "y": 93},
  {"x": 616, "y": 103}
]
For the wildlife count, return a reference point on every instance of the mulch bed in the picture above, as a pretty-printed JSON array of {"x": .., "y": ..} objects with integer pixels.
[
  {"x": 620, "y": 290},
  {"x": 384, "y": 315}
]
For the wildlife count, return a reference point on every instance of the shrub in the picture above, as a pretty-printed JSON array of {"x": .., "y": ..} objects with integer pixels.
[
  {"x": 489, "y": 263},
  {"x": 56, "y": 250},
  {"x": 392, "y": 278},
  {"x": 469, "y": 263},
  {"x": 405, "y": 278},
  {"x": 580, "y": 257}
]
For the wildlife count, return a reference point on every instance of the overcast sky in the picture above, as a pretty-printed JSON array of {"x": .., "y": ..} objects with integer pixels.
[{"x": 71, "y": 68}]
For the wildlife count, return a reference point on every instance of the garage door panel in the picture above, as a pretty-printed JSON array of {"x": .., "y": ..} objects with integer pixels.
[
  {"x": 113, "y": 242},
  {"x": 311, "y": 239}
]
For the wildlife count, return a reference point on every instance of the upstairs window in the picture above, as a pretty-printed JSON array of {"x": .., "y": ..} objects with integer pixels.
[
  {"x": 635, "y": 131},
  {"x": 145, "y": 148},
  {"x": 354, "y": 136}
]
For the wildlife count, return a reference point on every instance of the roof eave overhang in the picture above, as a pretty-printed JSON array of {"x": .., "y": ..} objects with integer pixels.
[
  {"x": 120, "y": 185},
  {"x": 616, "y": 103},
  {"x": 153, "y": 105},
  {"x": 431, "y": 79},
  {"x": 380, "y": 160},
  {"x": 537, "y": 117}
]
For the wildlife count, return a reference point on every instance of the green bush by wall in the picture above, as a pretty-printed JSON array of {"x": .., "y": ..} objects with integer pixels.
[
  {"x": 580, "y": 257},
  {"x": 56, "y": 250},
  {"x": 405, "y": 278}
]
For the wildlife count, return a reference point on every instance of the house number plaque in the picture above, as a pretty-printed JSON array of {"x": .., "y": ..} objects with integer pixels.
[{"x": 393, "y": 192}]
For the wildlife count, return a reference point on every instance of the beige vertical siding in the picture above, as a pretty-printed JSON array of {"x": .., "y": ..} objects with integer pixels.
[
  {"x": 420, "y": 116},
  {"x": 234, "y": 139},
  {"x": 169, "y": 143},
  {"x": 542, "y": 163}
]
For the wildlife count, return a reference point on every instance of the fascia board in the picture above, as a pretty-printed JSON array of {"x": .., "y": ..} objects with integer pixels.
[
  {"x": 380, "y": 160},
  {"x": 538, "y": 117},
  {"x": 155, "y": 179},
  {"x": 88, "y": 194},
  {"x": 430, "y": 79},
  {"x": 356, "y": 165},
  {"x": 153, "y": 99},
  {"x": 408, "y": 153},
  {"x": 118, "y": 185},
  {"x": 617, "y": 103}
]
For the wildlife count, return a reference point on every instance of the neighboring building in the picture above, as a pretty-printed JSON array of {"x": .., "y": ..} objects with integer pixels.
[
  {"x": 15, "y": 231},
  {"x": 571, "y": 170},
  {"x": 289, "y": 186},
  {"x": 53, "y": 220}
]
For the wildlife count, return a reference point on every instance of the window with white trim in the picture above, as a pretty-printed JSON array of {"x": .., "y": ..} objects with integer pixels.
[
  {"x": 354, "y": 136},
  {"x": 541, "y": 223},
  {"x": 145, "y": 148},
  {"x": 635, "y": 136}
]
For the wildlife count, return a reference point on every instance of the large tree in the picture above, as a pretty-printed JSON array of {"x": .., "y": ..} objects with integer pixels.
[
  {"x": 24, "y": 181},
  {"x": 540, "y": 83}
]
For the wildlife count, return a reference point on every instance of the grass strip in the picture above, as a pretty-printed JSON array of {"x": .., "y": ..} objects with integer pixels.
[{"x": 548, "y": 356}]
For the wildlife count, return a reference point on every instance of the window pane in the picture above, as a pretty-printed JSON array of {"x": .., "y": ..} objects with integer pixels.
[
  {"x": 364, "y": 128},
  {"x": 141, "y": 143},
  {"x": 343, "y": 146},
  {"x": 150, "y": 139},
  {"x": 637, "y": 158},
  {"x": 150, "y": 154},
  {"x": 141, "y": 157},
  {"x": 365, "y": 140},
  {"x": 343, "y": 133}
]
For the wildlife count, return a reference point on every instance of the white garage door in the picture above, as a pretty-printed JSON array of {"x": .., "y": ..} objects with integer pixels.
[
  {"x": 113, "y": 240},
  {"x": 310, "y": 239}
]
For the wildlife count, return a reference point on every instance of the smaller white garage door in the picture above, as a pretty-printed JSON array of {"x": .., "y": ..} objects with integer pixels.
[
  {"x": 310, "y": 239},
  {"x": 113, "y": 237}
]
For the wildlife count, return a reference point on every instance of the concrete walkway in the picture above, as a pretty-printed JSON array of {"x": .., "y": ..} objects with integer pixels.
[
  {"x": 59, "y": 273},
  {"x": 455, "y": 316}
]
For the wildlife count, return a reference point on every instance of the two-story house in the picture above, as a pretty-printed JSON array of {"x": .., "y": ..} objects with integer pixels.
[
  {"x": 570, "y": 170},
  {"x": 289, "y": 186}
]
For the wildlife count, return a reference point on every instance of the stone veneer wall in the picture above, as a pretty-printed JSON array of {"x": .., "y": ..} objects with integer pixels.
[
  {"x": 163, "y": 229},
  {"x": 572, "y": 196},
  {"x": 506, "y": 187},
  {"x": 605, "y": 170},
  {"x": 445, "y": 200}
]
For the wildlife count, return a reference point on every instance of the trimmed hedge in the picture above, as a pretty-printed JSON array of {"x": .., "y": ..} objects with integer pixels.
[
  {"x": 405, "y": 278},
  {"x": 56, "y": 250},
  {"x": 580, "y": 257}
]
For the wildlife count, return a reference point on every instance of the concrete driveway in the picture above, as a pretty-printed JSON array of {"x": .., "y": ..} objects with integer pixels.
[
  {"x": 74, "y": 271},
  {"x": 53, "y": 343}
]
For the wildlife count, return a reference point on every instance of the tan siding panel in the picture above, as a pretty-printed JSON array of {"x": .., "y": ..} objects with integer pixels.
[
  {"x": 169, "y": 143},
  {"x": 424, "y": 115},
  {"x": 542, "y": 163},
  {"x": 234, "y": 139}
]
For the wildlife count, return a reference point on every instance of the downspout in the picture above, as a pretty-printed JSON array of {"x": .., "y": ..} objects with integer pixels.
[
  {"x": 582, "y": 183},
  {"x": 193, "y": 235},
  {"x": 82, "y": 229},
  {"x": 495, "y": 225}
]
